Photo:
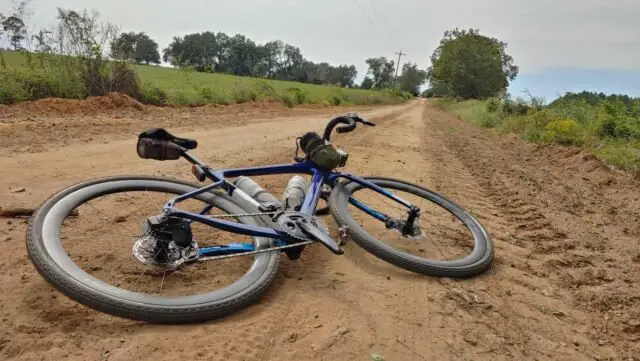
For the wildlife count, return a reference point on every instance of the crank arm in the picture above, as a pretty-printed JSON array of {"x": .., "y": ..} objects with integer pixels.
[{"x": 318, "y": 235}]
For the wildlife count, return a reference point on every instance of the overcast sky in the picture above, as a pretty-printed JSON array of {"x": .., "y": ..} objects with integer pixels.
[{"x": 541, "y": 34}]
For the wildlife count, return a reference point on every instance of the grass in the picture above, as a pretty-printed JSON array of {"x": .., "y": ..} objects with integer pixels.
[
  {"x": 608, "y": 130},
  {"x": 161, "y": 85}
]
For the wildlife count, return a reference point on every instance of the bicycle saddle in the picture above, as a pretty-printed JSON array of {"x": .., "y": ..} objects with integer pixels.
[{"x": 163, "y": 134}]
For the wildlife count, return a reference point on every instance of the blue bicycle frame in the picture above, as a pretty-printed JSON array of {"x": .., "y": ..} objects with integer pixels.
[{"x": 318, "y": 179}]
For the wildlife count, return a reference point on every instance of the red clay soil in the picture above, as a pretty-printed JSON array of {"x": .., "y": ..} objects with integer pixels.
[
  {"x": 563, "y": 286},
  {"x": 57, "y": 106}
]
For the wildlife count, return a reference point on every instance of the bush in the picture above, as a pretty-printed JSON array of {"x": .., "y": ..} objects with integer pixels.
[
  {"x": 623, "y": 128},
  {"x": 493, "y": 105},
  {"x": 515, "y": 108},
  {"x": 11, "y": 89},
  {"x": 244, "y": 96},
  {"x": 266, "y": 89},
  {"x": 153, "y": 96},
  {"x": 298, "y": 95},
  {"x": 207, "y": 93},
  {"x": 490, "y": 120},
  {"x": 622, "y": 154},
  {"x": 564, "y": 131},
  {"x": 22, "y": 85},
  {"x": 102, "y": 77},
  {"x": 288, "y": 100}
]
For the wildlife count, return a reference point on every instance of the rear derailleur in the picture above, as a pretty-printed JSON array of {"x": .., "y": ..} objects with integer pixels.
[{"x": 166, "y": 242}]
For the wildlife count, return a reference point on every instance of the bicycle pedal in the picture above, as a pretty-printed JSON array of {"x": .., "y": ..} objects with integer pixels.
[
  {"x": 343, "y": 235},
  {"x": 319, "y": 236}
]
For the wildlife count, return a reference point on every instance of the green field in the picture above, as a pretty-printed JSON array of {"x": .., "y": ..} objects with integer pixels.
[
  {"x": 25, "y": 76},
  {"x": 609, "y": 129}
]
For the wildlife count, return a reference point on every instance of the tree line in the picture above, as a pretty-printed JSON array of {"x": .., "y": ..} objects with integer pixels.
[
  {"x": 239, "y": 55},
  {"x": 593, "y": 98},
  {"x": 204, "y": 52}
]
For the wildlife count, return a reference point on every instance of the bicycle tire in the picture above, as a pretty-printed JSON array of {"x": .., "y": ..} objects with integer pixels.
[
  {"x": 475, "y": 263},
  {"x": 50, "y": 260}
]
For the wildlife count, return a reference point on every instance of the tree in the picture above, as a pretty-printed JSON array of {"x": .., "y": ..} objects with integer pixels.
[
  {"x": 82, "y": 34},
  {"x": 199, "y": 50},
  {"x": 139, "y": 48},
  {"x": 367, "y": 83},
  {"x": 381, "y": 70},
  {"x": 16, "y": 29},
  {"x": 469, "y": 65},
  {"x": 271, "y": 57},
  {"x": 43, "y": 41},
  {"x": 412, "y": 78},
  {"x": 14, "y": 25},
  {"x": 124, "y": 46},
  {"x": 146, "y": 50}
]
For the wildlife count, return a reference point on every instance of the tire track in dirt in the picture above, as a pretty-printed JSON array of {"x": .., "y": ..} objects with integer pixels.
[
  {"x": 556, "y": 257},
  {"x": 498, "y": 320}
]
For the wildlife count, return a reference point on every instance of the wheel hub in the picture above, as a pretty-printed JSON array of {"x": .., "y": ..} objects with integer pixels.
[
  {"x": 409, "y": 228},
  {"x": 165, "y": 243}
]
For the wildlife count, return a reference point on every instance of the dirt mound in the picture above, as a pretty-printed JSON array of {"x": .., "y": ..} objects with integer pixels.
[{"x": 59, "y": 107}]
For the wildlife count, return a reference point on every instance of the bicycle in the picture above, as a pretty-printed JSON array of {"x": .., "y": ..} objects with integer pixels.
[{"x": 276, "y": 226}]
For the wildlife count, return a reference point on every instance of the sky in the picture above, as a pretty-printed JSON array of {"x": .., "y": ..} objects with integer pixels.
[{"x": 559, "y": 45}]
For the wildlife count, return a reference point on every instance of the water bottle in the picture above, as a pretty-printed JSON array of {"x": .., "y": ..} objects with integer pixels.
[
  {"x": 294, "y": 194},
  {"x": 255, "y": 191}
]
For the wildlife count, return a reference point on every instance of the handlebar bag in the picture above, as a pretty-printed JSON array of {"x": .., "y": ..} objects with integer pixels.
[{"x": 319, "y": 151}]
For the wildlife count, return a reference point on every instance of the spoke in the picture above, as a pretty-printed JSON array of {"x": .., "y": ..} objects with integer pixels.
[
  {"x": 145, "y": 270},
  {"x": 117, "y": 228},
  {"x": 439, "y": 249},
  {"x": 386, "y": 200},
  {"x": 162, "y": 282}
]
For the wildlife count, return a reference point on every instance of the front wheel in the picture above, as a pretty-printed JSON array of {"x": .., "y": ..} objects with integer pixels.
[{"x": 372, "y": 219}]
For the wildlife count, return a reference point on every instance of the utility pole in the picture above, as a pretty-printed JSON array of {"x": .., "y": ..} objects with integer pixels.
[{"x": 400, "y": 54}]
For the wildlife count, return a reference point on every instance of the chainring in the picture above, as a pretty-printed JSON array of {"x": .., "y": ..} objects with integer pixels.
[{"x": 287, "y": 222}]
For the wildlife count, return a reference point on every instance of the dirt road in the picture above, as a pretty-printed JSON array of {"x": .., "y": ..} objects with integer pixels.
[{"x": 564, "y": 285}]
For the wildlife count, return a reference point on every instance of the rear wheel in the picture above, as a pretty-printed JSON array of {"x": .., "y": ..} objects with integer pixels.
[
  {"x": 460, "y": 239},
  {"x": 66, "y": 273}
]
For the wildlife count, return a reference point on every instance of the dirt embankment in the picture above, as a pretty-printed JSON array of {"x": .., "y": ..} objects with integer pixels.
[
  {"x": 37, "y": 126},
  {"x": 566, "y": 230}
]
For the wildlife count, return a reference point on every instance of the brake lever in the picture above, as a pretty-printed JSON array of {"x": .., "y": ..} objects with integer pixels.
[{"x": 358, "y": 119}]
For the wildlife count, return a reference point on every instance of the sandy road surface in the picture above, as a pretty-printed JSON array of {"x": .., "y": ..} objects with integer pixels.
[{"x": 564, "y": 285}]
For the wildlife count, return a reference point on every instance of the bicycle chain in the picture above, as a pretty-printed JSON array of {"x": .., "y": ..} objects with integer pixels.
[
  {"x": 271, "y": 249},
  {"x": 242, "y": 215}
]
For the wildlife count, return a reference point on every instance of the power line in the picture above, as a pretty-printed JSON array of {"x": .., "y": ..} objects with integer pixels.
[
  {"x": 366, "y": 14},
  {"x": 369, "y": 18},
  {"x": 384, "y": 19}
]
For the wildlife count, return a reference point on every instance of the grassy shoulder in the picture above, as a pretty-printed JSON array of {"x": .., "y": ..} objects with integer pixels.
[
  {"x": 28, "y": 76},
  {"x": 608, "y": 130}
]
